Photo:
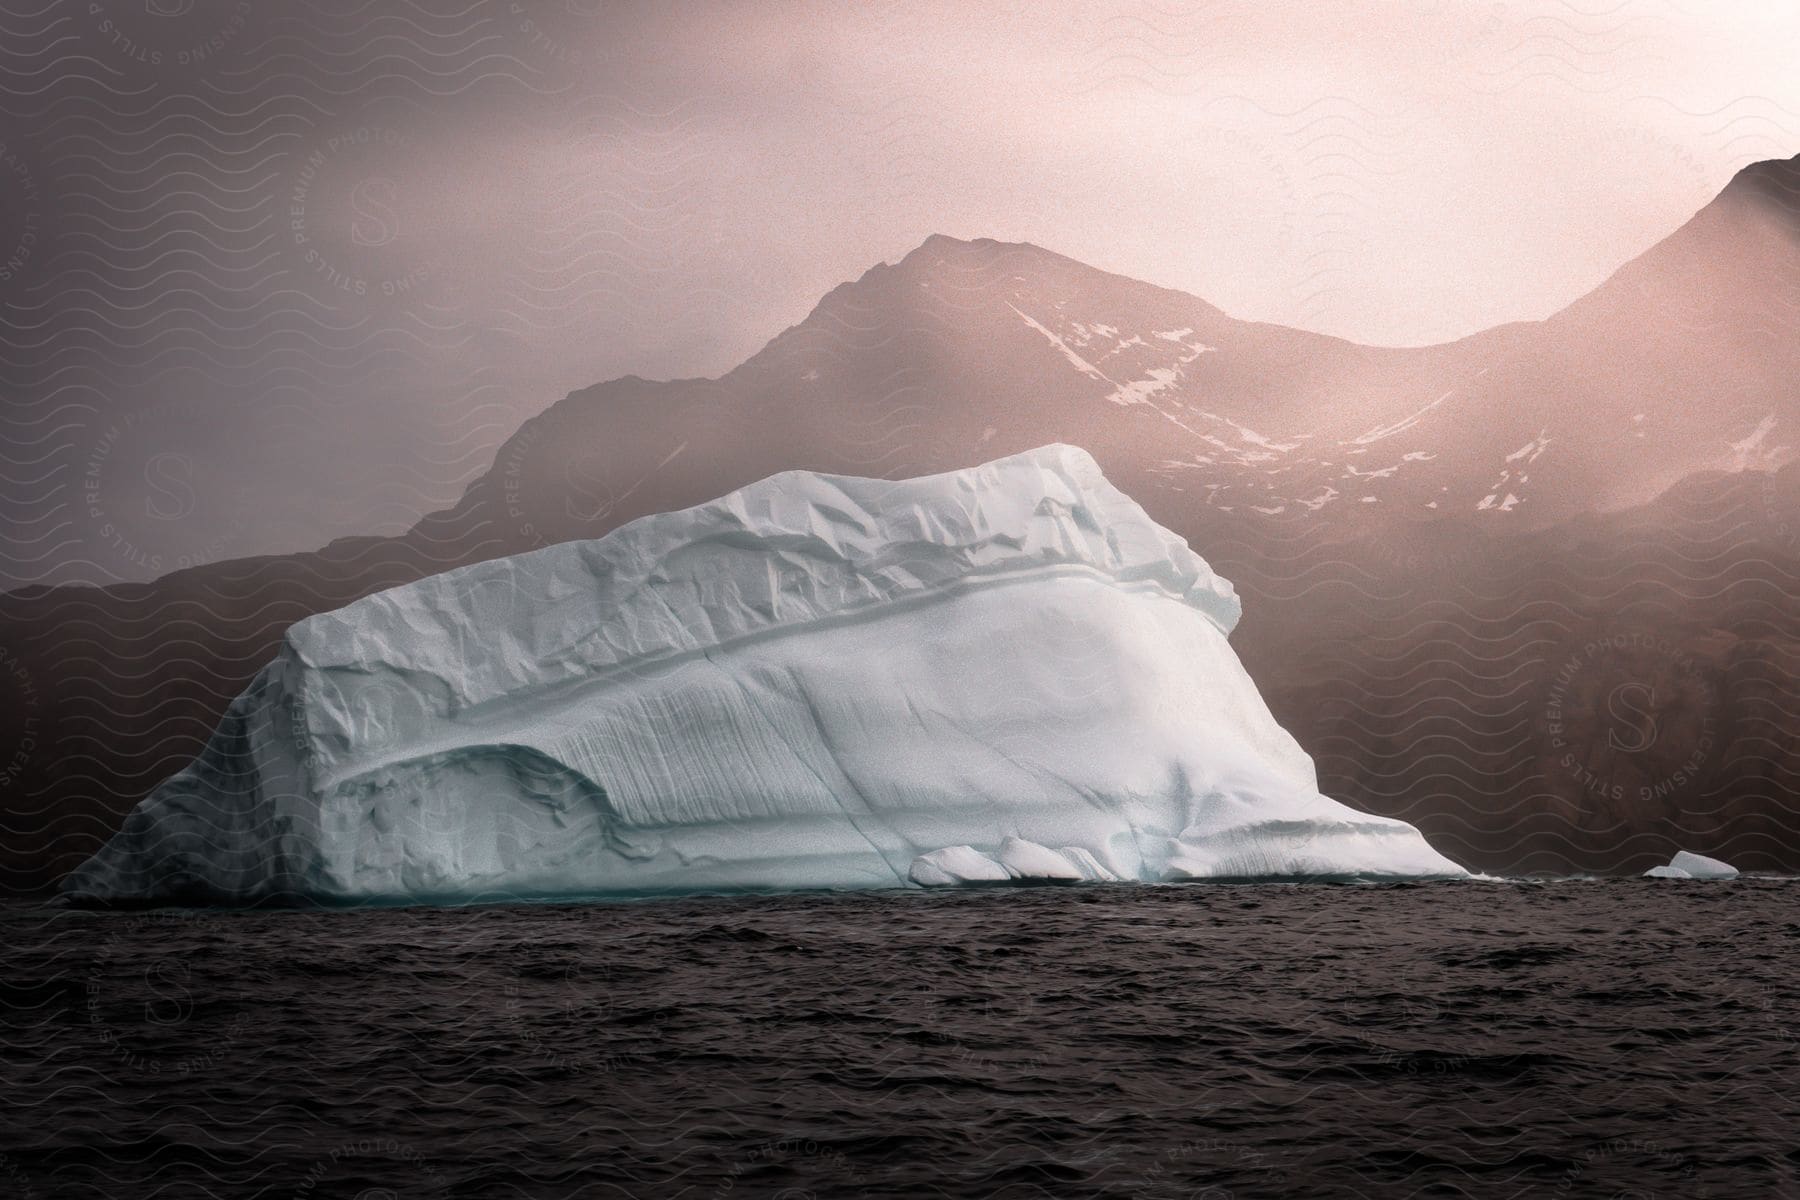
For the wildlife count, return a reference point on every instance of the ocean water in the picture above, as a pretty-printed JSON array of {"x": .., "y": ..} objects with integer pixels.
[{"x": 1619, "y": 1038}]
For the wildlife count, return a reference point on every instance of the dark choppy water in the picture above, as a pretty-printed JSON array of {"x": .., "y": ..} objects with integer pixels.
[{"x": 1619, "y": 1038}]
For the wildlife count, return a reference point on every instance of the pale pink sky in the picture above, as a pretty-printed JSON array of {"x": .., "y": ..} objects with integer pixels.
[{"x": 1396, "y": 172}]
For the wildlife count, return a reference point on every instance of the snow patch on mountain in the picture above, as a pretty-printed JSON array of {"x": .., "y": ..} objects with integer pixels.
[
  {"x": 1757, "y": 451},
  {"x": 1500, "y": 498},
  {"x": 1139, "y": 391},
  {"x": 1079, "y": 363},
  {"x": 1383, "y": 432}
]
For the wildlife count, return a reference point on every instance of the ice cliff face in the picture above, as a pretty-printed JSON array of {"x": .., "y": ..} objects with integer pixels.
[{"x": 810, "y": 682}]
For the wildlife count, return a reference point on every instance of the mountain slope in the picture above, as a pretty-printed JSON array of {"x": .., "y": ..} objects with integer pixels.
[{"x": 1684, "y": 361}]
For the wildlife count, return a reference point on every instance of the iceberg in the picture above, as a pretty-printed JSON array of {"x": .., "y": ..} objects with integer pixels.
[
  {"x": 1017, "y": 861},
  {"x": 956, "y": 866},
  {"x": 1029, "y": 861},
  {"x": 815, "y": 681},
  {"x": 1687, "y": 865}
]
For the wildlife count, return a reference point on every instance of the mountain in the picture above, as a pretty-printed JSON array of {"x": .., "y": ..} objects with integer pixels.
[
  {"x": 1682, "y": 362},
  {"x": 1302, "y": 466}
]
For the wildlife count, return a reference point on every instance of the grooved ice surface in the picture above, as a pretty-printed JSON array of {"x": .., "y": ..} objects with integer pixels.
[{"x": 809, "y": 682}]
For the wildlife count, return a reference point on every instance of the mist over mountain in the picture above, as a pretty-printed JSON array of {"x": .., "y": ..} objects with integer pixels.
[
  {"x": 1533, "y": 590},
  {"x": 1682, "y": 362}
]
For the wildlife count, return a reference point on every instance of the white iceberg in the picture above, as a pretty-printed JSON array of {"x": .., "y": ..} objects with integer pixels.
[
  {"x": 814, "y": 681},
  {"x": 1029, "y": 861},
  {"x": 956, "y": 866},
  {"x": 1087, "y": 864},
  {"x": 1017, "y": 861},
  {"x": 1686, "y": 865}
]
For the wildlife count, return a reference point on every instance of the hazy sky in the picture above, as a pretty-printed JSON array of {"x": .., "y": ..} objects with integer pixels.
[{"x": 321, "y": 258}]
